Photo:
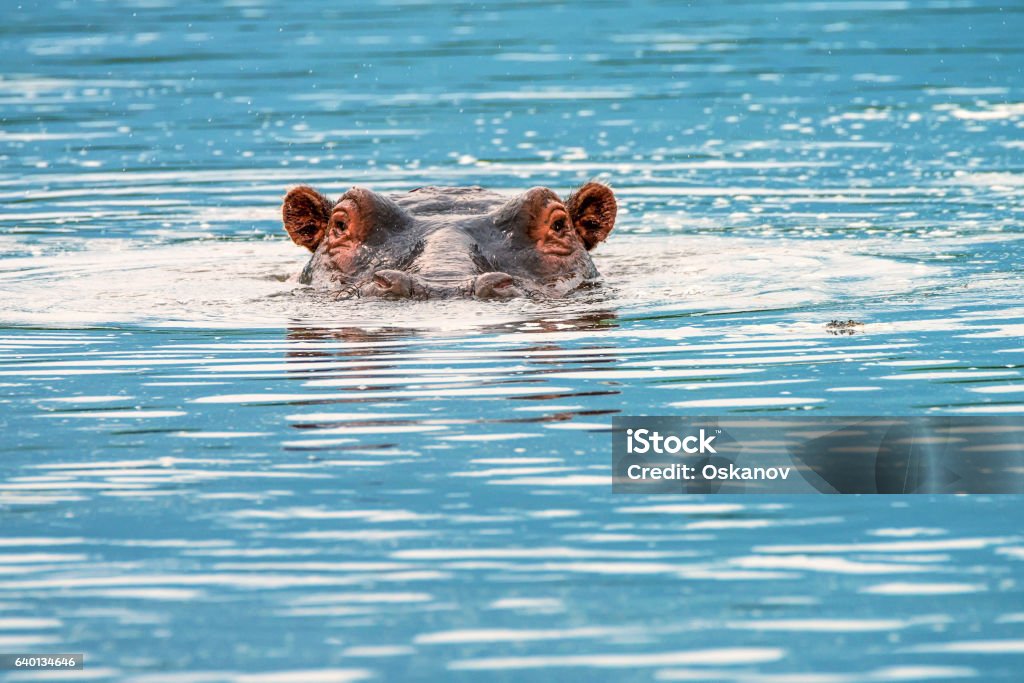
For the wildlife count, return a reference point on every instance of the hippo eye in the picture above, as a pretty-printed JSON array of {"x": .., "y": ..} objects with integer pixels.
[{"x": 558, "y": 226}]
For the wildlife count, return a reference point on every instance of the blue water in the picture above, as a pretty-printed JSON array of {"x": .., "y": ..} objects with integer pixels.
[{"x": 210, "y": 473}]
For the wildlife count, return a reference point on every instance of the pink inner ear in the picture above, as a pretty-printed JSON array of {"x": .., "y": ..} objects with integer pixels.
[
  {"x": 593, "y": 210},
  {"x": 305, "y": 214}
]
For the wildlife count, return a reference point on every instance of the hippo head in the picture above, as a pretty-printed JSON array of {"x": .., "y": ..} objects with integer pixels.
[{"x": 449, "y": 242}]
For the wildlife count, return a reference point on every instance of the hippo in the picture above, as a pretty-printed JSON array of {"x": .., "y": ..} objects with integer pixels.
[{"x": 445, "y": 242}]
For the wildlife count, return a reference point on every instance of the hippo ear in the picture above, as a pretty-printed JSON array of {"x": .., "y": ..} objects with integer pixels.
[
  {"x": 306, "y": 213},
  {"x": 592, "y": 210}
]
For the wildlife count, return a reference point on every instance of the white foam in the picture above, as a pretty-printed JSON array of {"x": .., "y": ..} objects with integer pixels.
[{"x": 210, "y": 283}]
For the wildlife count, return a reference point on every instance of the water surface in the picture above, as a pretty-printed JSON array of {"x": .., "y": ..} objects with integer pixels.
[{"x": 211, "y": 473}]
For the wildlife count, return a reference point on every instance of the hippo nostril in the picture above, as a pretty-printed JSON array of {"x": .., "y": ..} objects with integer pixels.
[
  {"x": 495, "y": 285},
  {"x": 392, "y": 282}
]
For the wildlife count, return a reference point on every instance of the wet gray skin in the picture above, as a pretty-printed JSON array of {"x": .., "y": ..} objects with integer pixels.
[{"x": 450, "y": 241}]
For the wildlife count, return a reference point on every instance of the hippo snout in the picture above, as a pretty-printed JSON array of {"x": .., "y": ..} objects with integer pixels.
[{"x": 396, "y": 284}]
